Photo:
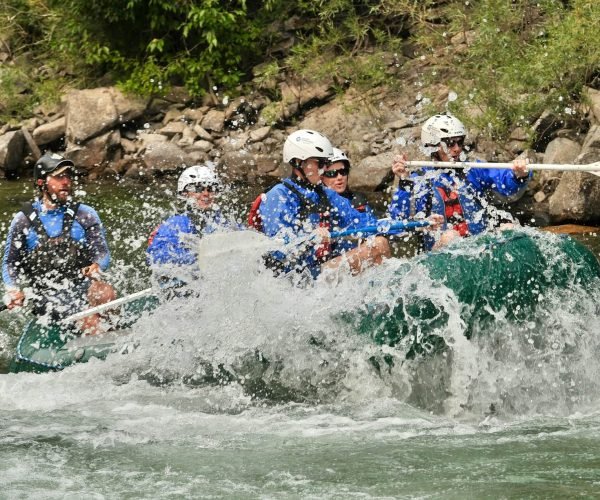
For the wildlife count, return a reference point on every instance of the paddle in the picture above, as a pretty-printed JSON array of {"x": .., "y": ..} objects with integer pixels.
[
  {"x": 3, "y": 307},
  {"x": 109, "y": 305},
  {"x": 592, "y": 168},
  {"x": 383, "y": 227}
]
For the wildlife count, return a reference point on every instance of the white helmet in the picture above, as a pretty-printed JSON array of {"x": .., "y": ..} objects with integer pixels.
[
  {"x": 197, "y": 174},
  {"x": 339, "y": 155},
  {"x": 439, "y": 127},
  {"x": 303, "y": 144}
]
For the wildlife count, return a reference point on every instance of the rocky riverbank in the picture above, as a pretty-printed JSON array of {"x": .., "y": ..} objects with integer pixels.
[{"x": 112, "y": 135}]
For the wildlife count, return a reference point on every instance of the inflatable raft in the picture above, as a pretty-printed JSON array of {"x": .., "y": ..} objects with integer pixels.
[
  {"x": 54, "y": 346},
  {"x": 508, "y": 275}
]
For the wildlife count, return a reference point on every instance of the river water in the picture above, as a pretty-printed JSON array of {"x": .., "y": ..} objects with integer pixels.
[{"x": 497, "y": 419}]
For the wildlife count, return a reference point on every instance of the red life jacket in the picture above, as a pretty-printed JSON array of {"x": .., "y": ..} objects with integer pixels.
[
  {"x": 453, "y": 211},
  {"x": 152, "y": 235},
  {"x": 254, "y": 217}
]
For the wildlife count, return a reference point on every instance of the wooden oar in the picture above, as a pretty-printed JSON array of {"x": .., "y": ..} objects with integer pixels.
[
  {"x": 109, "y": 305},
  {"x": 592, "y": 168}
]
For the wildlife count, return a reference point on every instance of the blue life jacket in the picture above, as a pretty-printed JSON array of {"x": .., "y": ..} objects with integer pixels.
[
  {"x": 37, "y": 237},
  {"x": 420, "y": 195},
  {"x": 293, "y": 208},
  {"x": 168, "y": 245}
]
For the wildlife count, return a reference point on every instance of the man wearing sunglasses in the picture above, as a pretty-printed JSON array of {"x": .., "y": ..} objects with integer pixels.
[
  {"x": 455, "y": 196},
  {"x": 301, "y": 206},
  {"x": 171, "y": 250},
  {"x": 56, "y": 249}
]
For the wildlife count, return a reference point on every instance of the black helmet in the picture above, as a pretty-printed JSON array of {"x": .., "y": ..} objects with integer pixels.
[{"x": 50, "y": 164}]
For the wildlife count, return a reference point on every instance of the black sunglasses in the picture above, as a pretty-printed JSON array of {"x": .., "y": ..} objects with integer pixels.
[
  {"x": 332, "y": 174},
  {"x": 199, "y": 188},
  {"x": 452, "y": 141}
]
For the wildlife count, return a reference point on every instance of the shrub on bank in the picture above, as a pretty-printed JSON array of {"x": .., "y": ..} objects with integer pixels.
[{"x": 520, "y": 57}]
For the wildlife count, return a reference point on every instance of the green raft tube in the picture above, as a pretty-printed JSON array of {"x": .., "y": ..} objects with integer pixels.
[
  {"x": 52, "y": 347},
  {"x": 506, "y": 275}
]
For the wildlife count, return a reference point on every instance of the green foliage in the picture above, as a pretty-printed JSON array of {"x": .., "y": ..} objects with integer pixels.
[
  {"x": 526, "y": 57},
  {"x": 349, "y": 39},
  {"x": 522, "y": 56}
]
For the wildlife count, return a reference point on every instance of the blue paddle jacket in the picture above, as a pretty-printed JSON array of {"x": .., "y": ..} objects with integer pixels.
[
  {"x": 282, "y": 215},
  {"x": 419, "y": 195},
  {"x": 23, "y": 238},
  {"x": 169, "y": 245}
]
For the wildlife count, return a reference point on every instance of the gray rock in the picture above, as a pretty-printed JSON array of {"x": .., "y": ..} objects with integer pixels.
[
  {"x": 562, "y": 151},
  {"x": 214, "y": 120},
  {"x": 577, "y": 198},
  {"x": 50, "y": 132},
  {"x": 234, "y": 141},
  {"x": 92, "y": 112},
  {"x": 592, "y": 139},
  {"x": 165, "y": 156},
  {"x": 188, "y": 136},
  {"x": 259, "y": 134},
  {"x": 172, "y": 115},
  {"x": 593, "y": 96},
  {"x": 129, "y": 147},
  {"x": 403, "y": 122},
  {"x": 95, "y": 152},
  {"x": 173, "y": 128},
  {"x": 368, "y": 173},
  {"x": 150, "y": 138},
  {"x": 202, "y": 133},
  {"x": 200, "y": 145},
  {"x": 12, "y": 150},
  {"x": 196, "y": 114}
]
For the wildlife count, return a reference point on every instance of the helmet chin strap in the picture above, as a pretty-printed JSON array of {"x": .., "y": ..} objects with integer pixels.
[{"x": 297, "y": 165}]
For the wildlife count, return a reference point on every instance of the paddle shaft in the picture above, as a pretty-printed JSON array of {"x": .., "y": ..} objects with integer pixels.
[
  {"x": 593, "y": 168},
  {"x": 383, "y": 229},
  {"x": 109, "y": 305}
]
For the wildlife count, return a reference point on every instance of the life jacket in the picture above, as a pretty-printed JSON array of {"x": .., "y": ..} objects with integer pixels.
[
  {"x": 307, "y": 207},
  {"x": 152, "y": 235},
  {"x": 254, "y": 217},
  {"x": 358, "y": 201},
  {"x": 54, "y": 259},
  {"x": 453, "y": 211}
]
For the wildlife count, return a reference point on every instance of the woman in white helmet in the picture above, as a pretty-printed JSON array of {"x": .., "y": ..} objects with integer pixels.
[
  {"x": 454, "y": 197},
  {"x": 197, "y": 189},
  {"x": 301, "y": 205},
  {"x": 335, "y": 176}
]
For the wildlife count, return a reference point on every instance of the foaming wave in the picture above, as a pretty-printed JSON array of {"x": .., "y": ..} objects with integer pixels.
[{"x": 243, "y": 338}]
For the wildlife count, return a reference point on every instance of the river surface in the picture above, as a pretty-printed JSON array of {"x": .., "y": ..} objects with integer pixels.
[{"x": 508, "y": 420}]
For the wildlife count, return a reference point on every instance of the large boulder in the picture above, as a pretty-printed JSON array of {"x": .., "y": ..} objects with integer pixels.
[
  {"x": 96, "y": 152},
  {"x": 576, "y": 199},
  {"x": 559, "y": 151},
  {"x": 214, "y": 121},
  {"x": 92, "y": 112},
  {"x": 369, "y": 172},
  {"x": 562, "y": 151},
  {"x": 50, "y": 132},
  {"x": 165, "y": 157},
  {"x": 246, "y": 164},
  {"x": 12, "y": 150}
]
